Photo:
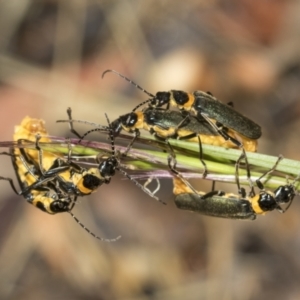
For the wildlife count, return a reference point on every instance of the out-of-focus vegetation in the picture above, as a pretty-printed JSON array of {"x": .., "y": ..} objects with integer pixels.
[{"x": 52, "y": 55}]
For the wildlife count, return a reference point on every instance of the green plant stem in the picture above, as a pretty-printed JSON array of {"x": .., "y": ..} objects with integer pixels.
[{"x": 143, "y": 162}]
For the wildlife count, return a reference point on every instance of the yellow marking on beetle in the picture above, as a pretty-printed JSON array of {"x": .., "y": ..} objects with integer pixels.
[
  {"x": 28, "y": 129},
  {"x": 255, "y": 202},
  {"x": 82, "y": 188},
  {"x": 179, "y": 187},
  {"x": 23, "y": 173},
  {"x": 163, "y": 132},
  {"x": 140, "y": 120},
  {"x": 77, "y": 179},
  {"x": 255, "y": 205},
  {"x": 40, "y": 200},
  {"x": 217, "y": 140}
]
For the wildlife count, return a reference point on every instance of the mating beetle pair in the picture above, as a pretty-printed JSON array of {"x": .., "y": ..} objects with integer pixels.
[
  {"x": 203, "y": 118},
  {"x": 50, "y": 182},
  {"x": 223, "y": 119}
]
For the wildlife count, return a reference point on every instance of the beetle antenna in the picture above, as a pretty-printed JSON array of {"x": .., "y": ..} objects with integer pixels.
[
  {"x": 91, "y": 233},
  {"x": 129, "y": 80}
]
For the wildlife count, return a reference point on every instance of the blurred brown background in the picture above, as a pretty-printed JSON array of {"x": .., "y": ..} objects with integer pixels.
[{"x": 52, "y": 55}]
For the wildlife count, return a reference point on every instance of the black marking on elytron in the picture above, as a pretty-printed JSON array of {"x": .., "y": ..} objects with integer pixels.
[
  {"x": 166, "y": 119},
  {"x": 226, "y": 115},
  {"x": 229, "y": 207}
]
